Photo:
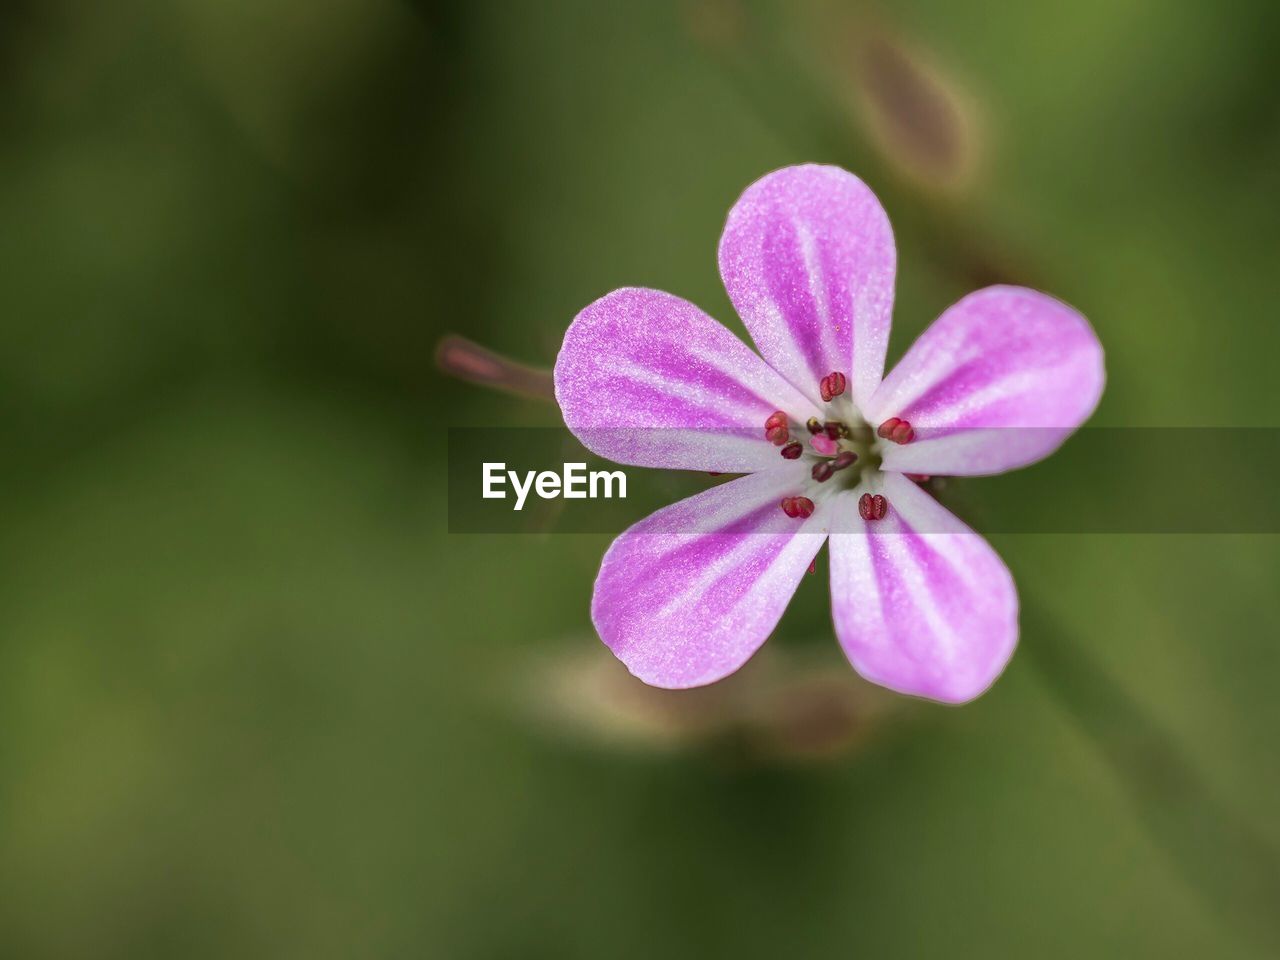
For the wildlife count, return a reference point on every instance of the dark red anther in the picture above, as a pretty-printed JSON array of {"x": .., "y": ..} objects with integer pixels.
[
  {"x": 822, "y": 471},
  {"x": 814, "y": 425},
  {"x": 897, "y": 430},
  {"x": 713, "y": 473},
  {"x": 832, "y": 385},
  {"x": 793, "y": 450},
  {"x": 833, "y": 429},
  {"x": 917, "y": 477},
  {"x": 775, "y": 428},
  {"x": 798, "y": 508},
  {"x": 813, "y": 564},
  {"x": 844, "y": 459},
  {"x": 872, "y": 506}
]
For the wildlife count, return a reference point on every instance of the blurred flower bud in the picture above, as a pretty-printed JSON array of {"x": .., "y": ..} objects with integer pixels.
[
  {"x": 774, "y": 709},
  {"x": 814, "y": 716},
  {"x": 588, "y": 695},
  {"x": 914, "y": 114}
]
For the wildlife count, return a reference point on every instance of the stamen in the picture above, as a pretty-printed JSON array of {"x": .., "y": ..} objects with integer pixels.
[
  {"x": 834, "y": 429},
  {"x": 917, "y": 477},
  {"x": 897, "y": 430},
  {"x": 775, "y": 428},
  {"x": 844, "y": 459},
  {"x": 832, "y": 386},
  {"x": 813, "y": 564},
  {"x": 872, "y": 506},
  {"x": 822, "y": 471},
  {"x": 814, "y": 425},
  {"x": 793, "y": 450},
  {"x": 799, "y": 508}
]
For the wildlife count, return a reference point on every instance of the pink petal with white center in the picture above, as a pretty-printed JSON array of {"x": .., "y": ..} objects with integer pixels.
[
  {"x": 687, "y": 595},
  {"x": 647, "y": 378},
  {"x": 922, "y": 604},
  {"x": 808, "y": 259},
  {"x": 998, "y": 381}
]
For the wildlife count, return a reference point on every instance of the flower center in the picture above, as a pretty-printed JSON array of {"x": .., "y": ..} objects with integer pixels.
[{"x": 840, "y": 449}]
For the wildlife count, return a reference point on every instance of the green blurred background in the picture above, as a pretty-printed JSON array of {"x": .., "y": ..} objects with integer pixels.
[{"x": 255, "y": 701}]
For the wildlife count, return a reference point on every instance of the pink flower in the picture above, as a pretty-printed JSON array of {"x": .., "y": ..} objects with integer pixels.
[{"x": 921, "y": 603}]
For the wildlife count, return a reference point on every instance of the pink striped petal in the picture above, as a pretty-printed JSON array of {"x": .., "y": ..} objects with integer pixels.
[
  {"x": 998, "y": 381},
  {"x": 688, "y": 594},
  {"x": 648, "y": 379},
  {"x": 922, "y": 604},
  {"x": 808, "y": 259}
]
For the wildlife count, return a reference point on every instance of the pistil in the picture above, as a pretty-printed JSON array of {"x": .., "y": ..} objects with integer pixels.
[{"x": 825, "y": 445}]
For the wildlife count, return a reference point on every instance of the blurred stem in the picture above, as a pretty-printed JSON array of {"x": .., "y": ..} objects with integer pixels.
[
  {"x": 1223, "y": 857},
  {"x": 467, "y": 360}
]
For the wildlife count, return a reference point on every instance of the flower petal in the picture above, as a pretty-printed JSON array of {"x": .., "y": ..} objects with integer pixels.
[
  {"x": 922, "y": 604},
  {"x": 998, "y": 381},
  {"x": 688, "y": 594},
  {"x": 808, "y": 258},
  {"x": 647, "y": 378}
]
